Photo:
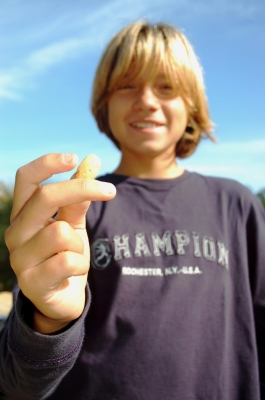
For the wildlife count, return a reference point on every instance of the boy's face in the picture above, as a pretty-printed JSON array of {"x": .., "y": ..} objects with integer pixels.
[{"x": 147, "y": 118}]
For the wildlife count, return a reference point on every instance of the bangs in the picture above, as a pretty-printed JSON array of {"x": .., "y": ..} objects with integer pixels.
[{"x": 141, "y": 57}]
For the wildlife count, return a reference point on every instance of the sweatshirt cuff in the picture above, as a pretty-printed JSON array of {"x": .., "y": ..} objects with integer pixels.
[{"x": 39, "y": 349}]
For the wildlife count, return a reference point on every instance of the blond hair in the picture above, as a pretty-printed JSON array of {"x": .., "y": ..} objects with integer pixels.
[{"x": 142, "y": 47}]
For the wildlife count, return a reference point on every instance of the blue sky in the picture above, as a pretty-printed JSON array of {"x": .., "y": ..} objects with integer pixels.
[{"x": 49, "y": 51}]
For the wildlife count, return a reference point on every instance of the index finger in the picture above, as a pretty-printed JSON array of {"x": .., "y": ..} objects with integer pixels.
[{"x": 30, "y": 176}]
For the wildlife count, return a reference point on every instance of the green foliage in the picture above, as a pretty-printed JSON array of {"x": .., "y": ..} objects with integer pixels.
[
  {"x": 261, "y": 196},
  {"x": 7, "y": 276}
]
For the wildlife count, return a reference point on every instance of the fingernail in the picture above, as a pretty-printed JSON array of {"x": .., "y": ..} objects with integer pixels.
[
  {"x": 107, "y": 188},
  {"x": 68, "y": 158}
]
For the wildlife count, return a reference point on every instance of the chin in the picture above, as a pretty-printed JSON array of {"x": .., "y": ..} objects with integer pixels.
[{"x": 148, "y": 150}]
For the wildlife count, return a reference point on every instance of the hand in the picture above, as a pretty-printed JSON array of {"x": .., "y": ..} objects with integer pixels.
[{"x": 50, "y": 257}]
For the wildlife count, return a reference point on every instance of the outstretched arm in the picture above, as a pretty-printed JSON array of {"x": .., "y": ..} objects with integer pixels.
[{"x": 50, "y": 257}]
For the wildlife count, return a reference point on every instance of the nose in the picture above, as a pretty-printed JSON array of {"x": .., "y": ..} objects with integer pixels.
[{"x": 146, "y": 99}]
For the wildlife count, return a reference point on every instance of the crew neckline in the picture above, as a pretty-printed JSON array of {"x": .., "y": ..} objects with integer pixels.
[{"x": 151, "y": 184}]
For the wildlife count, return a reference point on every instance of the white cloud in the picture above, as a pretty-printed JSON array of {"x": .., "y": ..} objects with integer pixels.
[
  {"x": 60, "y": 35},
  {"x": 10, "y": 84},
  {"x": 53, "y": 54},
  {"x": 91, "y": 30}
]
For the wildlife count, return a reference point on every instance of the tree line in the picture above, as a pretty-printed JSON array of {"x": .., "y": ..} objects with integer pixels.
[{"x": 7, "y": 276}]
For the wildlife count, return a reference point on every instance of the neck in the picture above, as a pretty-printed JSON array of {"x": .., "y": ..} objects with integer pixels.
[{"x": 148, "y": 167}]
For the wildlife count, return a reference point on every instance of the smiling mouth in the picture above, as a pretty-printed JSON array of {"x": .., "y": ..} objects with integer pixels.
[{"x": 144, "y": 125}]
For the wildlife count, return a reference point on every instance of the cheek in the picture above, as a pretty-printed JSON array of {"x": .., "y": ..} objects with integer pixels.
[
  {"x": 179, "y": 113},
  {"x": 118, "y": 113},
  {"x": 115, "y": 118}
]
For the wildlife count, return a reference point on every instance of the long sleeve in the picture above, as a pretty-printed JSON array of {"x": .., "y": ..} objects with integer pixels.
[
  {"x": 256, "y": 252},
  {"x": 31, "y": 364}
]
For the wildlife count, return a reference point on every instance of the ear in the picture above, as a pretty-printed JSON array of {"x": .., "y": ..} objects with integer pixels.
[{"x": 189, "y": 129}]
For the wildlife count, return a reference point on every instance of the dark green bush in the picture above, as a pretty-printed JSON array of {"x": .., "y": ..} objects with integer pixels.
[
  {"x": 261, "y": 196},
  {"x": 7, "y": 276}
]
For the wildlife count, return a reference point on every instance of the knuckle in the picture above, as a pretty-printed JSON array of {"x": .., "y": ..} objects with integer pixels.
[
  {"x": 16, "y": 261},
  {"x": 44, "y": 193},
  {"x": 24, "y": 282},
  {"x": 20, "y": 173},
  {"x": 73, "y": 264},
  {"x": 11, "y": 238},
  {"x": 46, "y": 160},
  {"x": 84, "y": 185},
  {"x": 8, "y": 237},
  {"x": 13, "y": 260},
  {"x": 62, "y": 231},
  {"x": 66, "y": 260}
]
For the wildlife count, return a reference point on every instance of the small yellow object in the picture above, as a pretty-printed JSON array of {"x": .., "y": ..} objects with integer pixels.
[{"x": 89, "y": 167}]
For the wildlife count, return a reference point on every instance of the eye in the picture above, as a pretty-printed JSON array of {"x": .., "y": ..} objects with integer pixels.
[
  {"x": 165, "y": 89},
  {"x": 166, "y": 86},
  {"x": 126, "y": 87}
]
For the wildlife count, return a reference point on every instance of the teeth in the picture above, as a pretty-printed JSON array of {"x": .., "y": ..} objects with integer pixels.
[{"x": 145, "y": 125}]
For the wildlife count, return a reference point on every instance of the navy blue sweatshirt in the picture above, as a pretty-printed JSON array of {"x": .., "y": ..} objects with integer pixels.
[{"x": 177, "y": 284}]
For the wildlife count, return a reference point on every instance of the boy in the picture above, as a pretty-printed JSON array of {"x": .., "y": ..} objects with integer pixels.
[{"x": 175, "y": 305}]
